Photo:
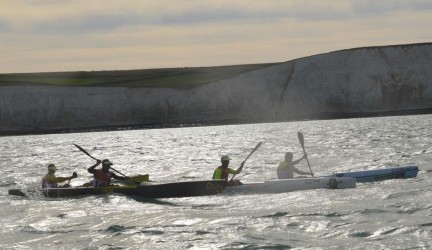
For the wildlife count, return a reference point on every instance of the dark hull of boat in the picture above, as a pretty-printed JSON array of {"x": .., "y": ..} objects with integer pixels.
[{"x": 164, "y": 190}]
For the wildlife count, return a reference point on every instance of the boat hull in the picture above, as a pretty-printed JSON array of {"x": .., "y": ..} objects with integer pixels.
[
  {"x": 289, "y": 185},
  {"x": 163, "y": 190},
  {"x": 381, "y": 174}
]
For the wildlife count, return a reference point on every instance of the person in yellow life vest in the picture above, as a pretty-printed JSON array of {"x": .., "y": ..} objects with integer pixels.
[
  {"x": 286, "y": 168},
  {"x": 223, "y": 171},
  {"x": 102, "y": 177},
  {"x": 51, "y": 181}
]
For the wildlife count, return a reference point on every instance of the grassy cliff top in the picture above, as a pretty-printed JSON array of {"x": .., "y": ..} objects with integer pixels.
[{"x": 168, "y": 77}]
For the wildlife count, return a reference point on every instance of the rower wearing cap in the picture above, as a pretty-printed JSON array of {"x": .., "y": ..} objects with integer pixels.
[
  {"x": 223, "y": 171},
  {"x": 102, "y": 177},
  {"x": 51, "y": 181}
]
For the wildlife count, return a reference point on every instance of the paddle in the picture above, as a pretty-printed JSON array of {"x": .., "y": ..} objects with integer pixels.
[
  {"x": 74, "y": 175},
  {"x": 301, "y": 139},
  {"x": 256, "y": 147},
  {"x": 85, "y": 152},
  {"x": 135, "y": 179}
]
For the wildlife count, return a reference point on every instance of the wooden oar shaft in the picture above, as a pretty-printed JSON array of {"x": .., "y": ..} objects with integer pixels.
[
  {"x": 307, "y": 160},
  {"x": 87, "y": 153},
  {"x": 301, "y": 139},
  {"x": 256, "y": 147},
  {"x": 120, "y": 172}
]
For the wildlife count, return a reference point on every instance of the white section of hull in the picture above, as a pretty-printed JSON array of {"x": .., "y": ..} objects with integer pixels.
[{"x": 289, "y": 185}]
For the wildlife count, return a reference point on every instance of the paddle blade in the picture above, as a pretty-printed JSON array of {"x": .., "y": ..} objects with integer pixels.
[
  {"x": 301, "y": 139},
  {"x": 255, "y": 149},
  {"x": 135, "y": 180},
  {"x": 81, "y": 149},
  {"x": 140, "y": 178},
  {"x": 257, "y": 146},
  {"x": 84, "y": 151}
]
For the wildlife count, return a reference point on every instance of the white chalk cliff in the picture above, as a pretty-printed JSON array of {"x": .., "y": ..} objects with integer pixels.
[{"x": 362, "y": 80}]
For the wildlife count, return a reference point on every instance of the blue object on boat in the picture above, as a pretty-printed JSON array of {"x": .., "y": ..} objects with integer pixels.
[{"x": 381, "y": 174}]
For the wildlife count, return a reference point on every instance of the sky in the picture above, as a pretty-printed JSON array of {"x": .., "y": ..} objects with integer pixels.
[{"x": 83, "y": 35}]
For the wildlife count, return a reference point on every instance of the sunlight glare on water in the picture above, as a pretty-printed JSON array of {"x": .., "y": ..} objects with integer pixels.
[{"x": 390, "y": 214}]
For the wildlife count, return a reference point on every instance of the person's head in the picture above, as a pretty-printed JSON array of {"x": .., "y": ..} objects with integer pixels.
[
  {"x": 51, "y": 168},
  {"x": 288, "y": 156},
  {"x": 106, "y": 164},
  {"x": 225, "y": 160}
]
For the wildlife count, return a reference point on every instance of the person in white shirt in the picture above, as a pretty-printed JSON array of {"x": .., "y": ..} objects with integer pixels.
[{"x": 286, "y": 168}]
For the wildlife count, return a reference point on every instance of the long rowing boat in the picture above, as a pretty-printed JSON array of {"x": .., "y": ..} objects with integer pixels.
[
  {"x": 134, "y": 180},
  {"x": 163, "y": 190},
  {"x": 289, "y": 185},
  {"x": 381, "y": 174}
]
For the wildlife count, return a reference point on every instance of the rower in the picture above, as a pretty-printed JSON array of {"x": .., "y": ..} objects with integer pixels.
[
  {"x": 51, "y": 181},
  {"x": 102, "y": 177},
  {"x": 223, "y": 171},
  {"x": 287, "y": 167}
]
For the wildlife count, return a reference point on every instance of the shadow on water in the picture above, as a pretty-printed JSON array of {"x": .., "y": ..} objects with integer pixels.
[
  {"x": 426, "y": 225},
  {"x": 283, "y": 214},
  {"x": 33, "y": 230},
  {"x": 251, "y": 246},
  {"x": 360, "y": 234},
  {"x": 169, "y": 203},
  {"x": 112, "y": 247},
  {"x": 206, "y": 206},
  {"x": 117, "y": 230},
  {"x": 368, "y": 211},
  {"x": 152, "y": 201},
  {"x": 275, "y": 215},
  {"x": 404, "y": 194}
]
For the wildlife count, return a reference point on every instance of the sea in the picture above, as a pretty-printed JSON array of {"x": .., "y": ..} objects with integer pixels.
[{"x": 390, "y": 214}]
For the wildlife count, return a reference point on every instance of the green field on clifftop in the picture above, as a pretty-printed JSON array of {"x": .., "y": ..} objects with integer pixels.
[{"x": 160, "y": 78}]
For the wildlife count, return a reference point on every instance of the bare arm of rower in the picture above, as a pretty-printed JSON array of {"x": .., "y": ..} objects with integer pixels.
[
  {"x": 300, "y": 172},
  {"x": 299, "y": 160},
  {"x": 90, "y": 169},
  {"x": 54, "y": 179},
  {"x": 62, "y": 179},
  {"x": 232, "y": 171},
  {"x": 121, "y": 178}
]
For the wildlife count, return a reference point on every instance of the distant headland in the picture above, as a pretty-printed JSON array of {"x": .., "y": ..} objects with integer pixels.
[{"x": 369, "y": 81}]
